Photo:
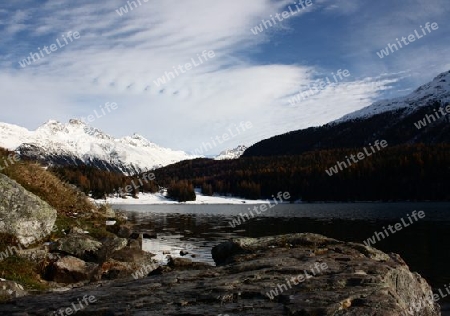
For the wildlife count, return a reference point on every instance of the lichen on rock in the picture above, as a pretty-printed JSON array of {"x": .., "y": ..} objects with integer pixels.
[{"x": 23, "y": 214}]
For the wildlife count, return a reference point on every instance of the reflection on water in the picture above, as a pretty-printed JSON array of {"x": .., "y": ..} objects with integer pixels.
[
  {"x": 177, "y": 246},
  {"x": 422, "y": 245}
]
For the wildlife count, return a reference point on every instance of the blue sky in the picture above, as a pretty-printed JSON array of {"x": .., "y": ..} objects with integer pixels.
[{"x": 251, "y": 78}]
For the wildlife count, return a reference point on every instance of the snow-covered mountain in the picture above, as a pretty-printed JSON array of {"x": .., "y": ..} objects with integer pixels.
[
  {"x": 415, "y": 118},
  {"x": 438, "y": 89},
  {"x": 76, "y": 143},
  {"x": 231, "y": 153}
]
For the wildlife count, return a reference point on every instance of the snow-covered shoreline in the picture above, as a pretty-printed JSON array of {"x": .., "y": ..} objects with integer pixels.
[{"x": 159, "y": 198}]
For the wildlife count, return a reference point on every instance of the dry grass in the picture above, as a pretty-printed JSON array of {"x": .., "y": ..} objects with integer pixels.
[
  {"x": 65, "y": 198},
  {"x": 73, "y": 209}
]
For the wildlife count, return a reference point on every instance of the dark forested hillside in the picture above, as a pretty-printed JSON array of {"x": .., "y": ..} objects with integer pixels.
[
  {"x": 406, "y": 172},
  {"x": 396, "y": 126},
  {"x": 99, "y": 183}
]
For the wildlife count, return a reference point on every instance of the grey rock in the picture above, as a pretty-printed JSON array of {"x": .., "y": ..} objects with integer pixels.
[
  {"x": 357, "y": 281},
  {"x": 76, "y": 230},
  {"x": 10, "y": 290},
  {"x": 109, "y": 246},
  {"x": 71, "y": 270},
  {"x": 107, "y": 211},
  {"x": 185, "y": 263},
  {"x": 33, "y": 254},
  {"x": 23, "y": 214},
  {"x": 79, "y": 245},
  {"x": 123, "y": 231}
]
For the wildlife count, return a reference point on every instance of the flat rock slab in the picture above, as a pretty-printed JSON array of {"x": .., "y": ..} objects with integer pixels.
[{"x": 298, "y": 274}]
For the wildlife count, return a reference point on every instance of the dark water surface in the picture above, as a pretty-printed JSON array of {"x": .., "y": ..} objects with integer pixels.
[{"x": 423, "y": 244}]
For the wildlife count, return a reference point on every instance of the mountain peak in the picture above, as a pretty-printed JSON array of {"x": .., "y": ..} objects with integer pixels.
[
  {"x": 76, "y": 122},
  {"x": 436, "y": 90},
  {"x": 51, "y": 122},
  {"x": 234, "y": 153},
  {"x": 77, "y": 143},
  {"x": 138, "y": 137},
  {"x": 443, "y": 75},
  {"x": 52, "y": 126}
]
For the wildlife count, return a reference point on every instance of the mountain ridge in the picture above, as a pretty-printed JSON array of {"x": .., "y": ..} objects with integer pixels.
[
  {"x": 424, "y": 93},
  {"x": 393, "y": 120},
  {"x": 76, "y": 143},
  {"x": 234, "y": 153}
]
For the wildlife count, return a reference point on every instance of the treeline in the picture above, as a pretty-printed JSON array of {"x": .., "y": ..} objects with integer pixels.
[
  {"x": 181, "y": 191},
  {"x": 397, "y": 127},
  {"x": 100, "y": 183},
  {"x": 406, "y": 172}
]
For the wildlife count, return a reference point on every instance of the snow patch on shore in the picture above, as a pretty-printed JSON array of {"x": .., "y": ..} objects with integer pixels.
[{"x": 160, "y": 198}]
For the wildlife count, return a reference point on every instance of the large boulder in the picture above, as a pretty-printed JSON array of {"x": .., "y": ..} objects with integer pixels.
[
  {"x": 72, "y": 270},
  {"x": 79, "y": 245},
  {"x": 124, "y": 263},
  {"x": 111, "y": 245},
  {"x": 340, "y": 279},
  {"x": 23, "y": 214},
  {"x": 299, "y": 274}
]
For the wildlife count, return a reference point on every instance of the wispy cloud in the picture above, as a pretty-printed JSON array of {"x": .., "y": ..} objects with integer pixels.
[{"x": 118, "y": 58}]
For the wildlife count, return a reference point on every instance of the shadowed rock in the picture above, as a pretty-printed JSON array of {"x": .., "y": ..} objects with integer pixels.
[
  {"x": 10, "y": 290},
  {"x": 81, "y": 246},
  {"x": 72, "y": 270},
  {"x": 257, "y": 278}
]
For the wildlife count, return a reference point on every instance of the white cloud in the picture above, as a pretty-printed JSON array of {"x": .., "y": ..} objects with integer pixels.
[
  {"x": 118, "y": 58},
  {"x": 345, "y": 7}
]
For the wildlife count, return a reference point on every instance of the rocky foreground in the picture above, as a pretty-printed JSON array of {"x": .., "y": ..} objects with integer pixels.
[{"x": 299, "y": 274}]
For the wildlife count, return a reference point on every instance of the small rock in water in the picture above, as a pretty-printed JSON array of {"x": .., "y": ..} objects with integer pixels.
[{"x": 149, "y": 235}]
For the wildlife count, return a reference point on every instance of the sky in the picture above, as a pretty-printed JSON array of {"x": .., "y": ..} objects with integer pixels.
[{"x": 240, "y": 73}]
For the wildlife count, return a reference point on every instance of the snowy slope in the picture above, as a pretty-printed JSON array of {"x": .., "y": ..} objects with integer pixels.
[
  {"x": 232, "y": 153},
  {"x": 438, "y": 89},
  {"x": 75, "y": 141}
]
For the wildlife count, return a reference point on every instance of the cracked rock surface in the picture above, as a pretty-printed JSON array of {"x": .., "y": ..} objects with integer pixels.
[{"x": 305, "y": 274}]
